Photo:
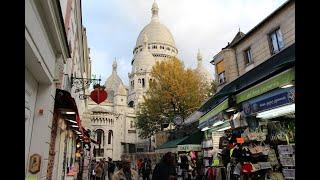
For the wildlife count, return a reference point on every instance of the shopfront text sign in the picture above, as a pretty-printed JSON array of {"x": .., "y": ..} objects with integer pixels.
[
  {"x": 275, "y": 82},
  {"x": 240, "y": 140},
  {"x": 266, "y": 102},
  {"x": 222, "y": 106},
  {"x": 189, "y": 147},
  {"x": 34, "y": 163}
]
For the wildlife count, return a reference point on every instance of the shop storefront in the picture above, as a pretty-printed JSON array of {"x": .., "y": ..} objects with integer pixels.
[
  {"x": 67, "y": 137},
  {"x": 258, "y": 132}
]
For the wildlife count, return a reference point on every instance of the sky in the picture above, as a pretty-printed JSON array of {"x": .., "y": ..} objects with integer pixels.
[{"x": 113, "y": 27}]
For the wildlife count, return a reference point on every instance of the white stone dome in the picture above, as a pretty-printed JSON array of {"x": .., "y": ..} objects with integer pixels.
[
  {"x": 113, "y": 81},
  {"x": 156, "y": 32},
  {"x": 143, "y": 60}
]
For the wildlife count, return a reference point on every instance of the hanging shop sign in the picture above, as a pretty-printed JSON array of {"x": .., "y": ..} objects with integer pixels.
[
  {"x": 273, "y": 83},
  {"x": 222, "y": 106},
  {"x": 98, "y": 95},
  {"x": 34, "y": 163},
  {"x": 189, "y": 147},
  {"x": 274, "y": 99}
]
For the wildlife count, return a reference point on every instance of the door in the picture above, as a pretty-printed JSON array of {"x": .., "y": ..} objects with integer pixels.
[{"x": 31, "y": 88}]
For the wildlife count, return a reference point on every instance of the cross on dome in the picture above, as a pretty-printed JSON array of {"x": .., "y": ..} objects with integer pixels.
[
  {"x": 199, "y": 56},
  {"x": 114, "y": 65},
  {"x": 155, "y": 10}
]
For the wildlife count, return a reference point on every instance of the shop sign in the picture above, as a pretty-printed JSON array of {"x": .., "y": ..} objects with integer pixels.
[
  {"x": 215, "y": 118},
  {"x": 222, "y": 106},
  {"x": 240, "y": 140},
  {"x": 189, "y": 147},
  {"x": 34, "y": 163},
  {"x": 282, "y": 97},
  {"x": 275, "y": 82}
]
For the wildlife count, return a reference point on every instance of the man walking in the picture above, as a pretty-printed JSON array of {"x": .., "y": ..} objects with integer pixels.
[
  {"x": 111, "y": 168},
  {"x": 126, "y": 172}
]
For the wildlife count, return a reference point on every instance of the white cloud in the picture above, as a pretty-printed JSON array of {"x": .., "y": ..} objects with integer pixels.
[{"x": 208, "y": 25}]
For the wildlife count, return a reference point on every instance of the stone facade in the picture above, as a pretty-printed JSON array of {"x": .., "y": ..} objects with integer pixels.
[
  {"x": 44, "y": 47},
  {"x": 258, "y": 40}
]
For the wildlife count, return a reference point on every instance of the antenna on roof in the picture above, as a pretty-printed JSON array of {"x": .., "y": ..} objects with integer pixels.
[{"x": 239, "y": 27}]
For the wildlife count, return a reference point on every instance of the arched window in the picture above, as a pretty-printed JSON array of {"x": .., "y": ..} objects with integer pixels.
[
  {"x": 110, "y": 134},
  {"x": 100, "y": 136},
  {"x": 131, "y": 104},
  {"x": 131, "y": 124},
  {"x": 139, "y": 80},
  {"x": 143, "y": 84}
]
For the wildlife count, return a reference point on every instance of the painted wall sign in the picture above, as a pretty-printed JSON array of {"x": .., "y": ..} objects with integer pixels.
[
  {"x": 270, "y": 101},
  {"x": 189, "y": 147},
  {"x": 268, "y": 85},
  {"x": 34, "y": 163},
  {"x": 222, "y": 106}
]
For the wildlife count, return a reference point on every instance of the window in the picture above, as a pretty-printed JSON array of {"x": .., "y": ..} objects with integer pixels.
[
  {"x": 139, "y": 80},
  {"x": 141, "y": 49},
  {"x": 131, "y": 124},
  {"x": 247, "y": 56},
  {"x": 221, "y": 72},
  {"x": 168, "y": 49},
  {"x": 154, "y": 47},
  {"x": 131, "y": 104},
  {"x": 222, "y": 78},
  {"x": 110, "y": 134},
  {"x": 276, "y": 41},
  {"x": 143, "y": 84},
  {"x": 100, "y": 136}
]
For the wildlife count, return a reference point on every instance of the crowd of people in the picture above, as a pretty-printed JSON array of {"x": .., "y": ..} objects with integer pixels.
[{"x": 166, "y": 169}]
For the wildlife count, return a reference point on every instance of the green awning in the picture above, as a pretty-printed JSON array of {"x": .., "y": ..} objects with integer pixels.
[
  {"x": 172, "y": 143},
  {"x": 194, "y": 138}
]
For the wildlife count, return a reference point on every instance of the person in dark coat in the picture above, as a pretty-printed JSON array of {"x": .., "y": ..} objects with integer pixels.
[
  {"x": 146, "y": 169},
  {"x": 165, "y": 169}
]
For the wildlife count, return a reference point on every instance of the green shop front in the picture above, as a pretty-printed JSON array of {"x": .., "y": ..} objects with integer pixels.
[{"x": 255, "y": 110}]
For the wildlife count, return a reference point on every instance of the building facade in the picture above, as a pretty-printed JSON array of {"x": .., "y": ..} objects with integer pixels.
[
  {"x": 45, "y": 47},
  {"x": 246, "y": 51},
  {"x": 56, "y": 52}
]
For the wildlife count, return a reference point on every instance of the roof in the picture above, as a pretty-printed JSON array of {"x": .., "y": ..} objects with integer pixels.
[
  {"x": 194, "y": 138},
  {"x": 283, "y": 60},
  {"x": 254, "y": 29}
]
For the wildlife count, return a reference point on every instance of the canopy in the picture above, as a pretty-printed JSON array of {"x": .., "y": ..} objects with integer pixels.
[{"x": 194, "y": 138}]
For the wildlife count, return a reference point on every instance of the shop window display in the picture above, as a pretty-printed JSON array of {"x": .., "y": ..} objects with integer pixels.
[{"x": 267, "y": 150}]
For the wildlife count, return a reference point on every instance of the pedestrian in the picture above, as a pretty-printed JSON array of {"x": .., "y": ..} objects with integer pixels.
[
  {"x": 146, "y": 169},
  {"x": 99, "y": 170},
  {"x": 126, "y": 172},
  {"x": 111, "y": 168},
  {"x": 105, "y": 169},
  {"x": 165, "y": 169},
  {"x": 92, "y": 167},
  {"x": 139, "y": 164}
]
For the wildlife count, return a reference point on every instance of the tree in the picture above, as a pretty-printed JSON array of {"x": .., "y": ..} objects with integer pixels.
[
  {"x": 174, "y": 90},
  {"x": 212, "y": 88}
]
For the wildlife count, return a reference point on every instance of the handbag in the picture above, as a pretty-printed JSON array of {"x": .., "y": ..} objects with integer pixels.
[
  {"x": 265, "y": 165},
  {"x": 247, "y": 167},
  {"x": 256, "y": 167},
  {"x": 256, "y": 149},
  {"x": 272, "y": 158},
  {"x": 275, "y": 176}
]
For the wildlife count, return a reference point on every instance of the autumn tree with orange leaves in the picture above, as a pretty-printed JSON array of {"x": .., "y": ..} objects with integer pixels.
[{"x": 174, "y": 90}]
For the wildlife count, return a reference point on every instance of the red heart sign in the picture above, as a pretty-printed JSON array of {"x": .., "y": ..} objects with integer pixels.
[{"x": 98, "y": 95}]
